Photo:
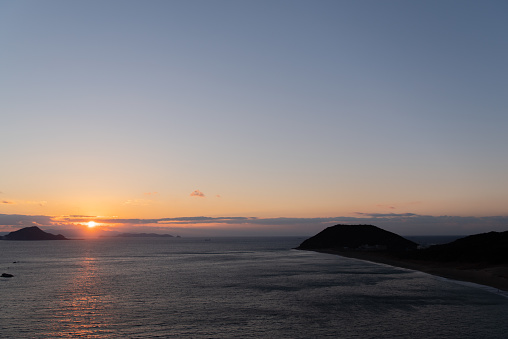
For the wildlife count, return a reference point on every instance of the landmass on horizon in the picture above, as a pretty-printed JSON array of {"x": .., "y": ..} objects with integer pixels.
[
  {"x": 32, "y": 233},
  {"x": 139, "y": 235},
  {"x": 480, "y": 258},
  {"x": 35, "y": 233}
]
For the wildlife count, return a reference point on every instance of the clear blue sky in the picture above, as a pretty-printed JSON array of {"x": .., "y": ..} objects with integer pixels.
[{"x": 297, "y": 109}]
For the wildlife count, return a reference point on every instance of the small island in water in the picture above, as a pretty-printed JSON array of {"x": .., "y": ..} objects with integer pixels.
[
  {"x": 32, "y": 233},
  {"x": 481, "y": 258}
]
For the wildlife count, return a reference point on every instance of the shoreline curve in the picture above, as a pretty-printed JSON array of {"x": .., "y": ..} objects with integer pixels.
[{"x": 481, "y": 274}]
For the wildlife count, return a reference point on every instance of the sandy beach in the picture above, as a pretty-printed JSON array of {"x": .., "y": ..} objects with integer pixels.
[{"x": 483, "y": 274}]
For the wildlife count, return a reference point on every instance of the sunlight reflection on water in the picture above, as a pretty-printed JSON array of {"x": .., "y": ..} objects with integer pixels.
[
  {"x": 229, "y": 288},
  {"x": 81, "y": 310}
]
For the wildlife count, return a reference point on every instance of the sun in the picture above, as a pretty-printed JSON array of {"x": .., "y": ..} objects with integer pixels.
[{"x": 91, "y": 224}]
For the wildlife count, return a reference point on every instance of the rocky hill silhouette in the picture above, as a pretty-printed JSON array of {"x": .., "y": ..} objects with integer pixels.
[
  {"x": 32, "y": 233},
  {"x": 361, "y": 237},
  {"x": 487, "y": 248},
  {"x": 491, "y": 248}
]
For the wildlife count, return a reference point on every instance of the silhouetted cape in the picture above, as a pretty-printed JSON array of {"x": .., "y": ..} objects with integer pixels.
[{"x": 347, "y": 237}]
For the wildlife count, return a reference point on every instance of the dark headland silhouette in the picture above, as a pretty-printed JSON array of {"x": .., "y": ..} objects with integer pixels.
[
  {"x": 360, "y": 237},
  {"x": 487, "y": 248},
  {"x": 480, "y": 258},
  {"x": 32, "y": 233}
]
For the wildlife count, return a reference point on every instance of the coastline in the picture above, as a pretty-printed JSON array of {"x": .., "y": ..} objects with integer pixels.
[{"x": 495, "y": 276}]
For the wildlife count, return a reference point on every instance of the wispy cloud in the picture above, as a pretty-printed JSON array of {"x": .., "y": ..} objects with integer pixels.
[
  {"x": 80, "y": 216},
  {"x": 393, "y": 206},
  {"x": 24, "y": 220},
  {"x": 197, "y": 193},
  {"x": 23, "y": 202},
  {"x": 385, "y": 215},
  {"x": 390, "y": 207}
]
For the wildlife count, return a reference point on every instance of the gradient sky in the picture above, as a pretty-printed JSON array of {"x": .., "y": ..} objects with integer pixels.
[{"x": 290, "y": 114}]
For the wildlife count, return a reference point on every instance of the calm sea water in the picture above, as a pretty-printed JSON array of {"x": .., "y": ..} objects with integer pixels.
[{"x": 228, "y": 288}]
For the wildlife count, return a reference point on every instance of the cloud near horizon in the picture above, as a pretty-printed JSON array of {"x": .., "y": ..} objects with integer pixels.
[
  {"x": 25, "y": 220},
  {"x": 403, "y": 223},
  {"x": 197, "y": 193},
  {"x": 23, "y": 202},
  {"x": 386, "y": 206}
]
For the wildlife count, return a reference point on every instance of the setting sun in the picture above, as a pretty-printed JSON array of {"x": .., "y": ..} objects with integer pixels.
[{"x": 92, "y": 224}]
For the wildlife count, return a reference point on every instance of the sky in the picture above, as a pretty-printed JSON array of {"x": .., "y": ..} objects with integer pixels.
[{"x": 254, "y": 117}]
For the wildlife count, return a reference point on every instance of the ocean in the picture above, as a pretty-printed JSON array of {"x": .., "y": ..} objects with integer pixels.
[{"x": 229, "y": 288}]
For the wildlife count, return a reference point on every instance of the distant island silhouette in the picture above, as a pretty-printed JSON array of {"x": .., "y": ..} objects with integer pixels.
[
  {"x": 480, "y": 258},
  {"x": 143, "y": 235},
  {"x": 32, "y": 233}
]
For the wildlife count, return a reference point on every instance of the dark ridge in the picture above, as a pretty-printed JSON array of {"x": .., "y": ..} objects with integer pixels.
[
  {"x": 489, "y": 247},
  {"x": 32, "y": 233},
  {"x": 349, "y": 237}
]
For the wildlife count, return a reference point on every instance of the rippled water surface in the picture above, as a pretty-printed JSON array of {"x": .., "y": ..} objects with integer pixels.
[{"x": 228, "y": 288}]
